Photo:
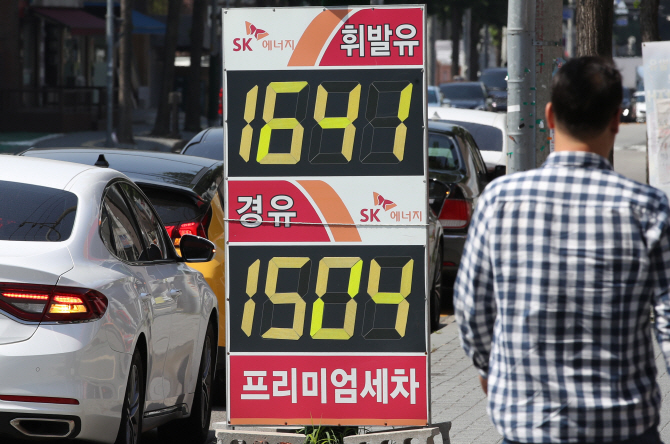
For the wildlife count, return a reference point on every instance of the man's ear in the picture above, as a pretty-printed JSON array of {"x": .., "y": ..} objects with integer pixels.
[
  {"x": 549, "y": 114},
  {"x": 614, "y": 123}
]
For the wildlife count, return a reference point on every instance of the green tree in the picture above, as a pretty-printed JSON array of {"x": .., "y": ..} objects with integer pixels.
[
  {"x": 125, "y": 130},
  {"x": 162, "y": 124},
  {"x": 192, "y": 99},
  {"x": 10, "y": 73}
]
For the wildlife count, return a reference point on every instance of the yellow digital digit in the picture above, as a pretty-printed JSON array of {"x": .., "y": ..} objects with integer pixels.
[
  {"x": 355, "y": 264},
  {"x": 353, "y": 101},
  {"x": 271, "y": 123},
  {"x": 248, "y": 131},
  {"x": 250, "y": 305},
  {"x": 382, "y": 154},
  {"x": 295, "y": 298},
  {"x": 401, "y": 129},
  {"x": 396, "y": 298}
]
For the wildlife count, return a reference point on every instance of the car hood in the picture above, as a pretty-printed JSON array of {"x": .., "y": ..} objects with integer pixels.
[
  {"x": 466, "y": 103},
  {"x": 30, "y": 263},
  {"x": 498, "y": 94}
]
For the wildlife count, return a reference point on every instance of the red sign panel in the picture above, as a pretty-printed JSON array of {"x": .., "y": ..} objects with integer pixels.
[{"x": 329, "y": 389}]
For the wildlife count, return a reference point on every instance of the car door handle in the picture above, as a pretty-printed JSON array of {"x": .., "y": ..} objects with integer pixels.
[{"x": 175, "y": 292}]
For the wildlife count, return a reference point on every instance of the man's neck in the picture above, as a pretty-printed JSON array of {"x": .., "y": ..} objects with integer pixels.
[{"x": 601, "y": 144}]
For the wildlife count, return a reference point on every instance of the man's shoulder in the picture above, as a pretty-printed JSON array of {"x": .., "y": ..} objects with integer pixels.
[{"x": 548, "y": 183}]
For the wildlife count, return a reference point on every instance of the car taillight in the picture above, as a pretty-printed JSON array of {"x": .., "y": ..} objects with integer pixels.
[
  {"x": 455, "y": 213},
  {"x": 196, "y": 228},
  {"x": 221, "y": 101},
  {"x": 46, "y": 303}
]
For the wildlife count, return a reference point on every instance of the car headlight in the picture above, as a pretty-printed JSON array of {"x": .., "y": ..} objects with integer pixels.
[{"x": 626, "y": 112}]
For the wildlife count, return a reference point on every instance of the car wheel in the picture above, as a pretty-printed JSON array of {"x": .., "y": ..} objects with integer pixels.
[
  {"x": 133, "y": 404},
  {"x": 195, "y": 428},
  {"x": 436, "y": 293}
]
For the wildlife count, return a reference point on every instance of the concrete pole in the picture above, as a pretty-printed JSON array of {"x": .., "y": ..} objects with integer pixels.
[
  {"x": 467, "y": 24},
  {"x": 520, "y": 86},
  {"x": 570, "y": 34},
  {"x": 110, "y": 72},
  {"x": 548, "y": 53},
  {"x": 431, "y": 22}
]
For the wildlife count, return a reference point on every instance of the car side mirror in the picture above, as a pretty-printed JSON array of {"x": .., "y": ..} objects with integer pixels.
[
  {"x": 499, "y": 170},
  {"x": 196, "y": 248}
]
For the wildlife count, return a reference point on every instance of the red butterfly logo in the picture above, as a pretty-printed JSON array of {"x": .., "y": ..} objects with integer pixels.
[
  {"x": 385, "y": 203},
  {"x": 256, "y": 32}
]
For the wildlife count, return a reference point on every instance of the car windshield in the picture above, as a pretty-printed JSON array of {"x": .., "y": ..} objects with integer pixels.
[
  {"x": 640, "y": 98},
  {"x": 459, "y": 91},
  {"x": 432, "y": 95},
  {"x": 442, "y": 152},
  {"x": 488, "y": 138},
  {"x": 494, "y": 79},
  {"x": 33, "y": 213}
]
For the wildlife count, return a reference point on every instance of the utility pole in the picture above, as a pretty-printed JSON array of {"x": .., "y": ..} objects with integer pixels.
[
  {"x": 110, "y": 72},
  {"x": 548, "y": 52},
  {"x": 520, "y": 85}
]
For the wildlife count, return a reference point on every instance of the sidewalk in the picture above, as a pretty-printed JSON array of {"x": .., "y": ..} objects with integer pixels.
[
  {"x": 143, "y": 121},
  {"x": 457, "y": 396}
]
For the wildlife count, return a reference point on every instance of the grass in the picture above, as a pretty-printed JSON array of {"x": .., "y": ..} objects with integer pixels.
[{"x": 327, "y": 434}]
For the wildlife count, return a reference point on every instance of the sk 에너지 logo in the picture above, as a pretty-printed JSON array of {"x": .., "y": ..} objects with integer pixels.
[
  {"x": 256, "y": 32},
  {"x": 243, "y": 44}
]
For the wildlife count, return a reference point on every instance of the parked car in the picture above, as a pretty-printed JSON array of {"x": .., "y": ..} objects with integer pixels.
[
  {"x": 627, "y": 106},
  {"x": 495, "y": 80},
  {"x": 105, "y": 332},
  {"x": 209, "y": 142},
  {"x": 470, "y": 95},
  {"x": 187, "y": 193},
  {"x": 488, "y": 129},
  {"x": 434, "y": 96},
  {"x": 640, "y": 107},
  {"x": 458, "y": 176}
]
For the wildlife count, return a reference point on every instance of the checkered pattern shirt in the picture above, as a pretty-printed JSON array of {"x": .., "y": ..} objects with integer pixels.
[{"x": 560, "y": 269}]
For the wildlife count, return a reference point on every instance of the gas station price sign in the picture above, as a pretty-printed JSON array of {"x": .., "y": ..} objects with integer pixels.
[{"x": 324, "y": 135}]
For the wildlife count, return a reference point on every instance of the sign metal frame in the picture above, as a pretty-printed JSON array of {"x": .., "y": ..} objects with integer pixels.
[{"x": 232, "y": 217}]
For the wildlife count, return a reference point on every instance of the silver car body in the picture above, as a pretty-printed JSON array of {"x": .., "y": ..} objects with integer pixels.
[
  {"x": 492, "y": 157},
  {"x": 163, "y": 307}
]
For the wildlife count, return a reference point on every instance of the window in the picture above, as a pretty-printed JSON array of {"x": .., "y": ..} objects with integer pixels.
[
  {"x": 116, "y": 227},
  {"x": 33, "y": 213},
  {"x": 150, "y": 226},
  {"x": 488, "y": 138},
  {"x": 442, "y": 152},
  {"x": 476, "y": 155}
]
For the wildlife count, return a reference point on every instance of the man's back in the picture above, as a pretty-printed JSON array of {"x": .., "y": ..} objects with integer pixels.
[{"x": 554, "y": 294}]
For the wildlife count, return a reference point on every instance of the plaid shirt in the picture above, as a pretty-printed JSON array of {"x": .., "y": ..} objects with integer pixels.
[{"x": 553, "y": 296}]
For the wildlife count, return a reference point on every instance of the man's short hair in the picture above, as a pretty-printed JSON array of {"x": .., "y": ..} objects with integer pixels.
[{"x": 586, "y": 94}]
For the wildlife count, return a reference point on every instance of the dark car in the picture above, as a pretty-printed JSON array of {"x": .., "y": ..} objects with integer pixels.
[
  {"x": 187, "y": 193},
  {"x": 495, "y": 80},
  {"x": 207, "y": 143},
  {"x": 627, "y": 106},
  {"x": 471, "y": 95},
  {"x": 458, "y": 176}
]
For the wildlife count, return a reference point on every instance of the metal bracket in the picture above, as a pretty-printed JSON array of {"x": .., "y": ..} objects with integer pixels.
[{"x": 424, "y": 435}]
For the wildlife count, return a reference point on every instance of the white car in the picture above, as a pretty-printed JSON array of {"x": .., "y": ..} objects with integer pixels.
[
  {"x": 640, "y": 107},
  {"x": 489, "y": 130},
  {"x": 105, "y": 332}
]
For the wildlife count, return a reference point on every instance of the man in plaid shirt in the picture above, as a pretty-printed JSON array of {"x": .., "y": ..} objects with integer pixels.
[{"x": 560, "y": 270}]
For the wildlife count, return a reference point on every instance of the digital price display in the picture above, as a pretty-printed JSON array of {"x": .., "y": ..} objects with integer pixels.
[
  {"x": 328, "y": 122},
  {"x": 335, "y": 299},
  {"x": 326, "y": 206}
]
